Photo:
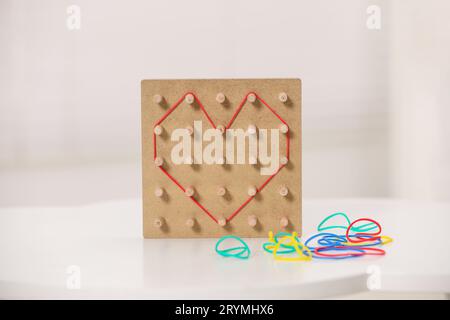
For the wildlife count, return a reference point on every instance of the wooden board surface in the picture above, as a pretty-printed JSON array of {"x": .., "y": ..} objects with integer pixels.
[{"x": 174, "y": 208}]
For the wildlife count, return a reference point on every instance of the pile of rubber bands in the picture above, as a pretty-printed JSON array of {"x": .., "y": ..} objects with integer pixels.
[{"x": 362, "y": 237}]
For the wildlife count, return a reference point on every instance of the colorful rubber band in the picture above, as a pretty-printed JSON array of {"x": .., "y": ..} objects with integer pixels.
[
  {"x": 303, "y": 253},
  {"x": 363, "y": 228},
  {"x": 361, "y": 237},
  {"x": 357, "y": 252},
  {"x": 241, "y": 252}
]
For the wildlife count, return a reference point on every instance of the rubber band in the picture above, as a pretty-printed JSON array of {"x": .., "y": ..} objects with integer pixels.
[
  {"x": 334, "y": 242},
  {"x": 359, "y": 236},
  {"x": 282, "y": 234},
  {"x": 316, "y": 236},
  {"x": 293, "y": 245},
  {"x": 363, "y": 228},
  {"x": 363, "y": 251},
  {"x": 330, "y": 257},
  {"x": 233, "y": 118},
  {"x": 348, "y": 246},
  {"x": 386, "y": 240},
  {"x": 358, "y": 252},
  {"x": 342, "y": 240},
  {"x": 301, "y": 252},
  {"x": 320, "y": 227},
  {"x": 243, "y": 252},
  {"x": 375, "y": 251},
  {"x": 269, "y": 246},
  {"x": 331, "y": 240}
]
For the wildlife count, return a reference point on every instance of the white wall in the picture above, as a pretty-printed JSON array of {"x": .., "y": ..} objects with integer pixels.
[
  {"x": 72, "y": 97},
  {"x": 420, "y": 100}
]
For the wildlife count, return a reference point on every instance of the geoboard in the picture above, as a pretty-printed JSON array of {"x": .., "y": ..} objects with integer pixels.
[{"x": 221, "y": 157}]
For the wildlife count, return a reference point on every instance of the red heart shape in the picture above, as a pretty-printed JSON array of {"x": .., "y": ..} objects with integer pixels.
[{"x": 233, "y": 118}]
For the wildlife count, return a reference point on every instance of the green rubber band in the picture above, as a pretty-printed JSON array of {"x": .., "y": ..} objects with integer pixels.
[
  {"x": 283, "y": 234},
  {"x": 322, "y": 228},
  {"x": 286, "y": 249},
  {"x": 243, "y": 252},
  {"x": 363, "y": 228}
]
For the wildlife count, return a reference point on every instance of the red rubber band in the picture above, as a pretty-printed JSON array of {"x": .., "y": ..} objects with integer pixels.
[
  {"x": 268, "y": 180},
  {"x": 235, "y": 114},
  {"x": 347, "y": 254},
  {"x": 172, "y": 178},
  {"x": 204, "y": 209},
  {"x": 154, "y": 146},
  {"x": 203, "y": 109},
  {"x": 357, "y": 238},
  {"x": 171, "y": 109},
  {"x": 380, "y": 252},
  {"x": 176, "y": 104},
  {"x": 240, "y": 208},
  {"x": 375, "y": 251},
  {"x": 273, "y": 111}
]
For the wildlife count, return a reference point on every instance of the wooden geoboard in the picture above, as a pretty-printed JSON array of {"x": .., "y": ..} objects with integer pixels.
[{"x": 191, "y": 200}]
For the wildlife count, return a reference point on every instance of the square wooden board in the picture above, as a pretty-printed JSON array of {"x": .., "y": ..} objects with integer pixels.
[{"x": 174, "y": 208}]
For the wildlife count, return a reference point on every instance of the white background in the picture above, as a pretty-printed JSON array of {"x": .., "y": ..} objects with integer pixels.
[{"x": 375, "y": 102}]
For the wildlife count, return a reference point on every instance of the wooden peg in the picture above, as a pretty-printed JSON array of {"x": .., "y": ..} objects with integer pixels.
[
  {"x": 283, "y": 128},
  {"x": 284, "y": 222},
  {"x": 252, "y": 221},
  {"x": 158, "y": 222},
  {"x": 283, "y": 97},
  {"x": 251, "y": 97},
  {"x": 221, "y": 191},
  {"x": 159, "y": 161},
  {"x": 190, "y": 223},
  {"x": 158, "y": 130},
  {"x": 190, "y": 130},
  {"x": 220, "y": 98},
  {"x": 189, "y": 98},
  {"x": 251, "y": 191},
  {"x": 189, "y": 191},
  {"x": 159, "y": 192},
  {"x": 222, "y": 222},
  {"x": 157, "y": 98},
  {"x": 284, "y": 160},
  {"x": 221, "y": 128},
  {"x": 283, "y": 191},
  {"x": 251, "y": 129}
]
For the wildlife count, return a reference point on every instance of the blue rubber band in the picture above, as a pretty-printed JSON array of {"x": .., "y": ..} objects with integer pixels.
[
  {"x": 316, "y": 236},
  {"x": 329, "y": 241}
]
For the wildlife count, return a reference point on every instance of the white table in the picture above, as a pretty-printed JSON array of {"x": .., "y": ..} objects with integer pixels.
[{"x": 37, "y": 246}]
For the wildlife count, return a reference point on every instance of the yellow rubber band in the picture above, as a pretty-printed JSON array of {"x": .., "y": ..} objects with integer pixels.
[
  {"x": 294, "y": 243},
  {"x": 386, "y": 240}
]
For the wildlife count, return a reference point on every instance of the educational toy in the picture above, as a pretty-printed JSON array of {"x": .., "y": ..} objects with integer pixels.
[{"x": 221, "y": 157}]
